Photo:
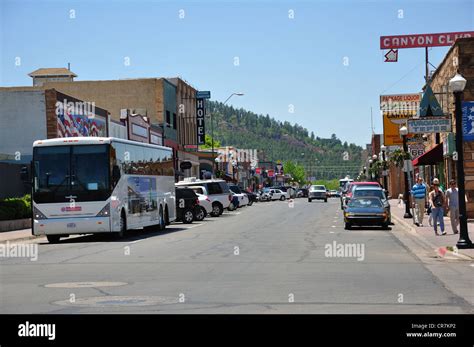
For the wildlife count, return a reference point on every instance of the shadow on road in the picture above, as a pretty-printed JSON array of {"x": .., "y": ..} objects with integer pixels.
[
  {"x": 131, "y": 235},
  {"x": 356, "y": 228}
]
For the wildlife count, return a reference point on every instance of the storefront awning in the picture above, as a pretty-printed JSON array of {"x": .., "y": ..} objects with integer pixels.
[{"x": 433, "y": 156}]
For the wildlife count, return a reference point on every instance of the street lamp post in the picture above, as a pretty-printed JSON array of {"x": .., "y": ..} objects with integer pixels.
[
  {"x": 217, "y": 161},
  {"x": 457, "y": 85},
  {"x": 370, "y": 169},
  {"x": 212, "y": 123},
  {"x": 404, "y": 133},
  {"x": 384, "y": 173},
  {"x": 234, "y": 166},
  {"x": 374, "y": 175}
]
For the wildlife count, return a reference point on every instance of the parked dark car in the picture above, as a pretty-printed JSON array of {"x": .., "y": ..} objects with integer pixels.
[
  {"x": 373, "y": 191},
  {"x": 252, "y": 196},
  {"x": 187, "y": 203},
  {"x": 362, "y": 211}
]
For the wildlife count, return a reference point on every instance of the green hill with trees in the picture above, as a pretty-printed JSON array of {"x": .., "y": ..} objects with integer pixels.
[{"x": 322, "y": 158}]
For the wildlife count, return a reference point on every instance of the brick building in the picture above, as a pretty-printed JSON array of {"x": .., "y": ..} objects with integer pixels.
[{"x": 438, "y": 152}]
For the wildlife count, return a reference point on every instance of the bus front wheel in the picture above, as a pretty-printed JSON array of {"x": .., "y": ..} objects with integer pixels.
[
  {"x": 167, "y": 216},
  {"x": 162, "y": 220},
  {"x": 123, "y": 227}
]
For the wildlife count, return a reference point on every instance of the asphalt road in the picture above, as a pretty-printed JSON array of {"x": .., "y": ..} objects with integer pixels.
[{"x": 268, "y": 258}]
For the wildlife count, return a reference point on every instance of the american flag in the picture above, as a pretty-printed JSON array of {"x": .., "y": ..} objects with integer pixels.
[{"x": 70, "y": 125}]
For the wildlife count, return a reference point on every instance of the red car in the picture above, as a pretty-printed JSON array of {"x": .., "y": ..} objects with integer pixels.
[{"x": 346, "y": 197}]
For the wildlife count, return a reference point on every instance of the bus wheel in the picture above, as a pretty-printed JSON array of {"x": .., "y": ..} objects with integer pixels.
[
  {"x": 162, "y": 224},
  {"x": 167, "y": 216},
  {"x": 123, "y": 227},
  {"x": 53, "y": 238}
]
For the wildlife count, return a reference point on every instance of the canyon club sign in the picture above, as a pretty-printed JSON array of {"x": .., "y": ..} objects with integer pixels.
[{"x": 422, "y": 40}]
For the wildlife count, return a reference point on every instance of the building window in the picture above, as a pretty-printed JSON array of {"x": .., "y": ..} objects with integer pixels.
[
  {"x": 168, "y": 119},
  {"x": 174, "y": 121}
]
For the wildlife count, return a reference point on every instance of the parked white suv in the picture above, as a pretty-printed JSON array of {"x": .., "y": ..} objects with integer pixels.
[
  {"x": 205, "y": 205},
  {"x": 217, "y": 191}
]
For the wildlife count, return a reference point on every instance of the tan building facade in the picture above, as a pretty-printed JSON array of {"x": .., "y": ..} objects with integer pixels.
[{"x": 115, "y": 95}]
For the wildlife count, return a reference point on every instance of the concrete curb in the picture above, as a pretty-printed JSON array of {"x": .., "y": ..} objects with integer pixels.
[
  {"x": 429, "y": 245},
  {"x": 24, "y": 238},
  {"x": 15, "y": 224}
]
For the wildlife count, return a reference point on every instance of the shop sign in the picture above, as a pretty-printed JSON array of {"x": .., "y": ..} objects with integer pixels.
[{"x": 429, "y": 125}]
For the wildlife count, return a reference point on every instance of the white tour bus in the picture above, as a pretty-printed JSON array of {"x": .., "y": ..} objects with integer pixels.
[
  {"x": 84, "y": 185},
  {"x": 344, "y": 182}
]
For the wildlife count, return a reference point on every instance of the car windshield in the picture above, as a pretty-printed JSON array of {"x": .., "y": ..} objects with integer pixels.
[
  {"x": 318, "y": 188},
  {"x": 359, "y": 186},
  {"x": 370, "y": 192},
  {"x": 365, "y": 203}
]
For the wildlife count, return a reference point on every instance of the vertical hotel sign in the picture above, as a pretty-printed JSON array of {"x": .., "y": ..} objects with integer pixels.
[
  {"x": 201, "y": 95},
  {"x": 396, "y": 109},
  {"x": 200, "y": 112}
]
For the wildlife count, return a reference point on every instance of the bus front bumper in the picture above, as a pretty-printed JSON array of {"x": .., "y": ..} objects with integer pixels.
[{"x": 69, "y": 226}]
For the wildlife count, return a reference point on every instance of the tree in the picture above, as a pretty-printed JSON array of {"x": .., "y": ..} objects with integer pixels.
[
  {"x": 208, "y": 142},
  {"x": 296, "y": 171}
]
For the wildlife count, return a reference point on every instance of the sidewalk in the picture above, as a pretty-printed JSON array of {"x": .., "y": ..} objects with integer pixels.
[
  {"x": 16, "y": 235},
  {"x": 443, "y": 243}
]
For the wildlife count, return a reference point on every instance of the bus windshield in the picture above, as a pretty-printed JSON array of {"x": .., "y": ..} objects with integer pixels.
[{"x": 79, "y": 172}]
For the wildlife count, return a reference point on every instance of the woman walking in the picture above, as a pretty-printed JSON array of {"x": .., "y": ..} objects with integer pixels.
[{"x": 438, "y": 202}]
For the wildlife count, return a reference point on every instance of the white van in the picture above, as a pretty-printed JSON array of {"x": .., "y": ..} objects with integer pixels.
[{"x": 217, "y": 190}]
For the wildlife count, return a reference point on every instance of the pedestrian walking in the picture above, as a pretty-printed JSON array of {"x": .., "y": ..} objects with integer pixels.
[
  {"x": 418, "y": 192},
  {"x": 429, "y": 207},
  {"x": 438, "y": 202},
  {"x": 452, "y": 197}
]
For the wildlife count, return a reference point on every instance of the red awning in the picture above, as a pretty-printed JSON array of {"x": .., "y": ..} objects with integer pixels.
[{"x": 433, "y": 156}]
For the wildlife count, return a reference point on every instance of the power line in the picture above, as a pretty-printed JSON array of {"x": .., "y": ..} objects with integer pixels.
[{"x": 405, "y": 75}]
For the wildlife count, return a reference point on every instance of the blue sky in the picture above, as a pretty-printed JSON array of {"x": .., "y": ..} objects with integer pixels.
[{"x": 283, "y": 61}]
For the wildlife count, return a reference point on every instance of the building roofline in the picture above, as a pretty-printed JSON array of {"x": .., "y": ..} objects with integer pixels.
[
  {"x": 456, "y": 44},
  {"x": 49, "y": 72}
]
